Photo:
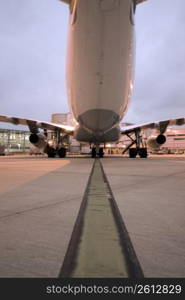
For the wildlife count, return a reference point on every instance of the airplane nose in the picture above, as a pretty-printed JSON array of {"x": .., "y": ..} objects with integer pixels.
[{"x": 98, "y": 119}]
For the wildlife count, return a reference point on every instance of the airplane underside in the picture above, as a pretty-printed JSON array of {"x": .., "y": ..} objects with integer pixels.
[{"x": 98, "y": 136}]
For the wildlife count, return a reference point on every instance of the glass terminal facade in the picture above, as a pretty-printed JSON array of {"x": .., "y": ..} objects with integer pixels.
[{"x": 15, "y": 140}]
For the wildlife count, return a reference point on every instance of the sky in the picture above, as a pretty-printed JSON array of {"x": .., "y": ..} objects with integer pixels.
[{"x": 33, "y": 39}]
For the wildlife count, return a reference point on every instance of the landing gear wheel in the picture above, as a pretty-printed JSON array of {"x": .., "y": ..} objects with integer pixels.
[
  {"x": 101, "y": 153},
  {"x": 132, "y": 152},
  {"x": 143, "y": 152},
  {"x": 51, "y": 152},
  {"x": 93, "y": 153},
  {"x": 62, "y": 152}
]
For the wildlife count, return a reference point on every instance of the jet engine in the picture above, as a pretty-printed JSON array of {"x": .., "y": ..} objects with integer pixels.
[
  {"x": 155, "y": 142},
  {"x": 38, "y": 139}
]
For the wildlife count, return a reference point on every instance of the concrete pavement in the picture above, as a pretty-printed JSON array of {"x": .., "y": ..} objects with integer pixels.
[
  {"x": 40, "y": 199},
  {"x": 39, "y": 203},
  {"x": 150, "y": 194}
]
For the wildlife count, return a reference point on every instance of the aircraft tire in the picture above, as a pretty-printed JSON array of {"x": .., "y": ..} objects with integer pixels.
[
  {"x": 132, "y": 152},
  {"x": 51, "y": 152},
  {"x": 101, "y": 153},
  {"x": 93, "y": 153},
  {"x": 62, "y": 152},
  {"x": 143, "y": 152}
]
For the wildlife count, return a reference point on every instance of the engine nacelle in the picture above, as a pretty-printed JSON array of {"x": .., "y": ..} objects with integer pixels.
[
  {"x": 155, "y": 142},
  {"x": 38, "y": 139}
]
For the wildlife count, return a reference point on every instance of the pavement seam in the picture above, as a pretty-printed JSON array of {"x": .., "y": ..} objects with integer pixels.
[{"x": 74, "y": 256}]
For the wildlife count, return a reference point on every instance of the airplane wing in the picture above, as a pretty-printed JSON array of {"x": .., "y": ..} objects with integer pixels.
[
  {"x": 34, "y": 125},
  {"x": 160, "y": 126}
]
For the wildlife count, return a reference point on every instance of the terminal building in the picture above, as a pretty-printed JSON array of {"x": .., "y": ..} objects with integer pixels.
[
  {"x": 16, "y": 141},
  {"x": 175, "y": 141}
]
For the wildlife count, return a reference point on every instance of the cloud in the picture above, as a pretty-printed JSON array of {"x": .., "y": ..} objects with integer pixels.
[
  {"x": 160, "y": 61},
  {"x": 33, "y": 38}
]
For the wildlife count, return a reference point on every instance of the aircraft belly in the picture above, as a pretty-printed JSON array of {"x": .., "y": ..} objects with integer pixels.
[
  {"x": 109, "y": 4},
  {"x": 82, "y": 135},
  {"x": 98, "y": 119},
  {"x": 100, "y": 69}
]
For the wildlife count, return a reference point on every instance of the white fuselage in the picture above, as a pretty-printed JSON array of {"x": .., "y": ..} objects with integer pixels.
[{"x": 100, "y": 66}]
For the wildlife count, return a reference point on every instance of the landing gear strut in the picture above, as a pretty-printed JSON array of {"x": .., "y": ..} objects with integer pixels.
[{"x": 140, "y": 149}]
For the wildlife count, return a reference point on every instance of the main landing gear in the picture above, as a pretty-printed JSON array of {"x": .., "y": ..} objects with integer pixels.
[
  {"x": 97, "y": 151},
  {"x": 52, "y": 152},
  {"x": 56, "y": 145},
  {"x": 141, "y": 148},
  {"x": 62, "y": 152},
  {"x": 142, "y": 152}
]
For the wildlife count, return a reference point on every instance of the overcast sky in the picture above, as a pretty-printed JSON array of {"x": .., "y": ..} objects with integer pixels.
[{"x": 33, "y": 36}]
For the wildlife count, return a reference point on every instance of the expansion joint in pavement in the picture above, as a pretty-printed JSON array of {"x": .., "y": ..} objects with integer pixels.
[{"x": 100, "y": 245}]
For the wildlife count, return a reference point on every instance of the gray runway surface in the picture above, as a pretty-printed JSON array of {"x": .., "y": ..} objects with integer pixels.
[
  {"x": 39, "y": 203},
  {"x": 150, "y": 194},
  {"x": 40, "y": 199}
]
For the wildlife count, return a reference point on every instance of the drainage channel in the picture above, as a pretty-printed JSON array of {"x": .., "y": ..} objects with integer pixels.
[{"x": 100, "y": 246}]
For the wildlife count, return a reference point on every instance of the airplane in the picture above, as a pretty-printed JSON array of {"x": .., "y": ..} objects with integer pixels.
[{"x": 100, "y": 63}]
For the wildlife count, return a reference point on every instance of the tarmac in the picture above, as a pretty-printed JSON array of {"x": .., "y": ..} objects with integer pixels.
[
  {"x": 39, "y": 203},
  {"x": 150, "y": 194},
  {"x": 40, "y": 199}
]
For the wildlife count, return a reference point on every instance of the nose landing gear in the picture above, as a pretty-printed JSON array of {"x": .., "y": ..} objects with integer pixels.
[
  {"x": 93, "y": 152},
  {"x": 101, "y": 153},
  {"x": 97, "y": 151}
]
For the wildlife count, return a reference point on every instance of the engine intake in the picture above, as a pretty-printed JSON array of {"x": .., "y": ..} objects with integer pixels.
[
  {"x": 38, "y": 140},
  {"x": 161, "y": 139},
  {"x": 155, "y": 142}
]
